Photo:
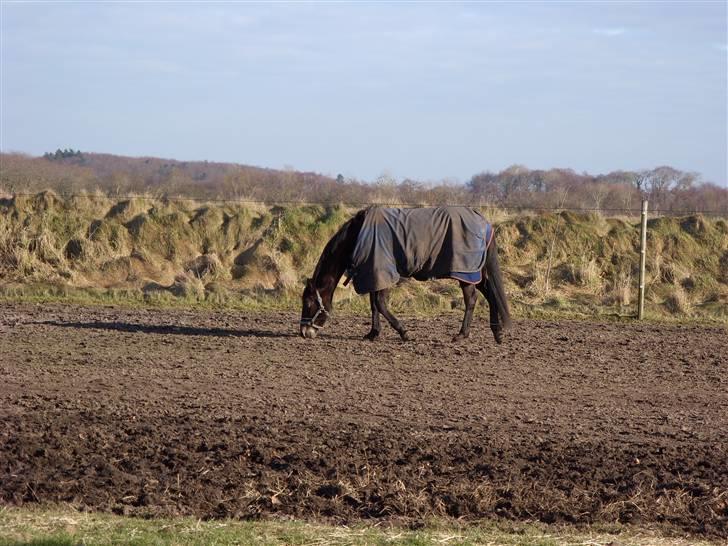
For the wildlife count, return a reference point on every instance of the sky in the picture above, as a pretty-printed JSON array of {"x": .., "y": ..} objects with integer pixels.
[{"x": 429, "y": 91}]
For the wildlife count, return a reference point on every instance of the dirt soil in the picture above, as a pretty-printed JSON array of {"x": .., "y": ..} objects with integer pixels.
[{"x": 232, "y": 414}]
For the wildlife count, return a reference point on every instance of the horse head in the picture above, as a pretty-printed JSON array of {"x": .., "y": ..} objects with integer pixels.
[{"x": 316, "y": 309}]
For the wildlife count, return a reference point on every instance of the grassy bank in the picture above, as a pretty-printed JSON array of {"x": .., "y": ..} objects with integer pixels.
[
  {"x": 64, "y": 526},
  {"x": 147, "y": 251}
]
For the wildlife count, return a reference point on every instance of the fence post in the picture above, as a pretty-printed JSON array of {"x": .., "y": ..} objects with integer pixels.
[{"x": 643, "y": 255}]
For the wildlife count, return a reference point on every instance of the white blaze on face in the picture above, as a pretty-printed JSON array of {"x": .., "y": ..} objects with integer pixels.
[{"x": 309, "y": 332}]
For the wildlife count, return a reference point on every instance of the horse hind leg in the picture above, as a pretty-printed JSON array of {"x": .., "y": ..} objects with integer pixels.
[
  {"x": 470, "y": 296},
  {"x": 495, "y": 324},
  {"x": 381, "y": 301}
]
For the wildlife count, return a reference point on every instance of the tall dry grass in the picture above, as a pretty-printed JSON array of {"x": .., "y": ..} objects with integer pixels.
[{"x": 197, "y": 251}]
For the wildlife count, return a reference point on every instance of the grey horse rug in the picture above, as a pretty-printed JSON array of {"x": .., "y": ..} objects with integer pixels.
[{"x": 422, "y": 243}]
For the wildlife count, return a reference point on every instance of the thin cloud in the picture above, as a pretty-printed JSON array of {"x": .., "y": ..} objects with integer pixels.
[{"x": 610, "y": 32}]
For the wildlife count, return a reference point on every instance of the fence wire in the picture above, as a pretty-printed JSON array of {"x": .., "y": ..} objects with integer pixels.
[{"x": 363, "y": 204}]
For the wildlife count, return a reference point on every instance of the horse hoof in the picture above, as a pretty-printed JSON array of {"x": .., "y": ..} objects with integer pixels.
[
  {"x": 459, "y": 337},
  {"x": 371, "y": 336},
  {"x": 404, "y": 335}
]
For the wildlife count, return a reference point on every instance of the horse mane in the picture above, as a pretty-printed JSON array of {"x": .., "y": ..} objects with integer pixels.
[{"x": 343, "y": 236}]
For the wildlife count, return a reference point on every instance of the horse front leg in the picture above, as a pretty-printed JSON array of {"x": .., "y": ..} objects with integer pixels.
[
  {"x": 374, "y": 332},
  {"x": 470, "y": 296},
  {"x": 381, "y": 300}
]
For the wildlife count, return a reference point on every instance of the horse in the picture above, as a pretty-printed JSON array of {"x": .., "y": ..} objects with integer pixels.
[{"x": 335, "y": 261}]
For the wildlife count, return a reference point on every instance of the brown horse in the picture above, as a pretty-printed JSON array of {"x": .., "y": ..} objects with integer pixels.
[{"x": 336, "y": 259}]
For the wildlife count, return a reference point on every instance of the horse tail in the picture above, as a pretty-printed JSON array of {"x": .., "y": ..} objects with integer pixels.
[{"x": 495, "y": 284}]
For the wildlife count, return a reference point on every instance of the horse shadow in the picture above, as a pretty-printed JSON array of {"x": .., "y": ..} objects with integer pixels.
[{"x": 168, "y": 329}]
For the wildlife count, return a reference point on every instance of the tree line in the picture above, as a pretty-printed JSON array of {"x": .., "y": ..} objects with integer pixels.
[
  {"x": 63, "y": 154},
  {"x": 71, "y": 171}
]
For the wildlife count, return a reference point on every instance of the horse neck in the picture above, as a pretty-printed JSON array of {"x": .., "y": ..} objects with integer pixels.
[
  {"x": 331, "y": 267},
  {"x": 330, "y": 273}
]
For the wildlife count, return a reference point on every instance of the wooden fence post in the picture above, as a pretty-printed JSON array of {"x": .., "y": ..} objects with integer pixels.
[{"x": 643, "y": 256}]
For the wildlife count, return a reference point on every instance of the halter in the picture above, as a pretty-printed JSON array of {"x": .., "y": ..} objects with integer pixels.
[{"x": 321, "y": 309}]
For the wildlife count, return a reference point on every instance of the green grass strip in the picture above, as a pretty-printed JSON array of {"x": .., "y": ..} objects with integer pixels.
[{"x": 63, "y": 526}]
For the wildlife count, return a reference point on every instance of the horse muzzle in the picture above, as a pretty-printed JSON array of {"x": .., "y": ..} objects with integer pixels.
[{"x": 308, "y": 332}]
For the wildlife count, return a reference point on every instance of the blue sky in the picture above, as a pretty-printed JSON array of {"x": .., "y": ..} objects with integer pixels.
[{"x": 429, "y": 91}]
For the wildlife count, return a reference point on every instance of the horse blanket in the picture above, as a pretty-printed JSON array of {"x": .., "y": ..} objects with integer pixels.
[{"x": 423, "y": 243}]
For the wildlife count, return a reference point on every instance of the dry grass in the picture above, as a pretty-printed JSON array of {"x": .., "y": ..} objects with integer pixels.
[{"x": 578, "y": 264}]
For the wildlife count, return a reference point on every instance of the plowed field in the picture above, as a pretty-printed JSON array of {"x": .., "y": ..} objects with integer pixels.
[{"x": 214, "y": 414}]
